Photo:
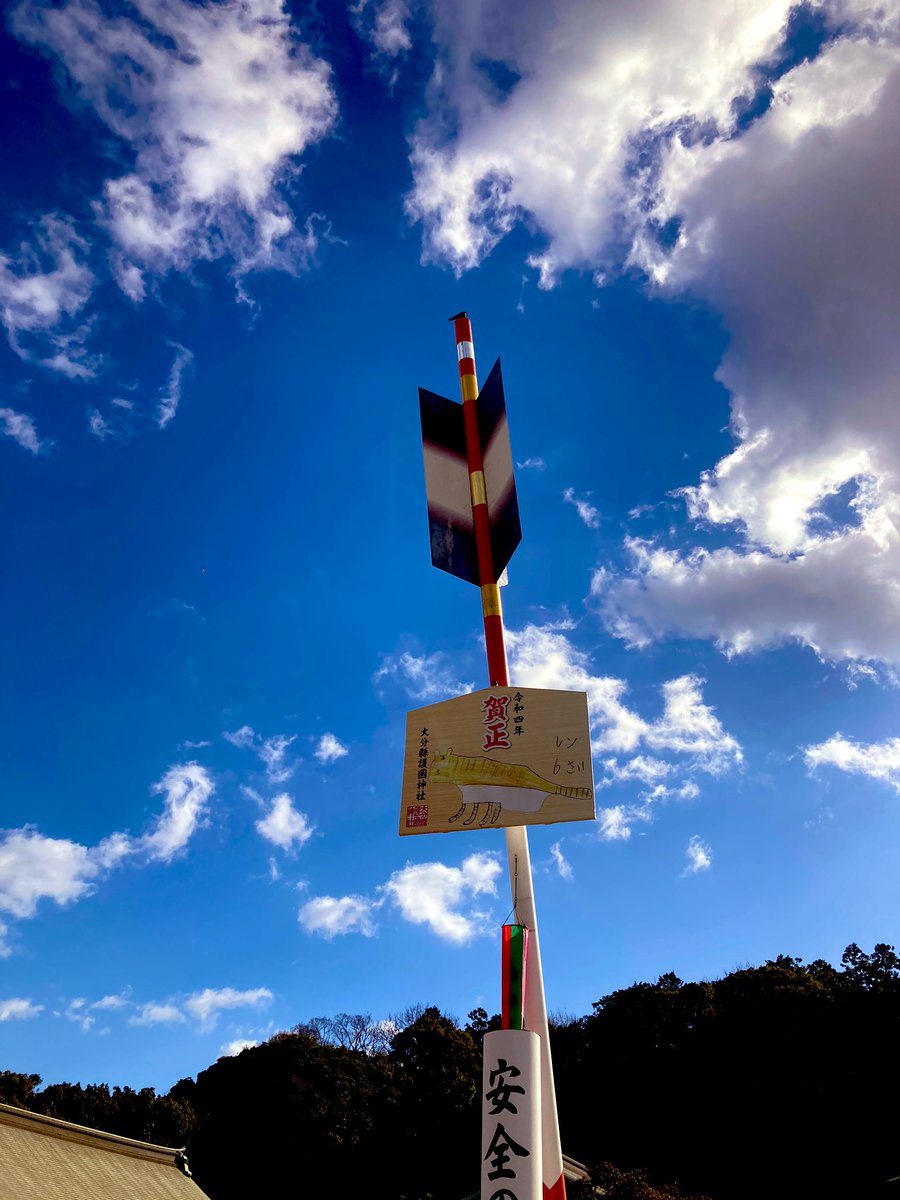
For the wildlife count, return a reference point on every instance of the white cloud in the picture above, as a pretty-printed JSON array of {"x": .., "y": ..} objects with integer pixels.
[
  {"x": 187, "y": 789},
  {"x": 206, "y": 1006},
  {"x": 108, "y": 1003},
  {"x": 878, "y": 760},
  {"x": 384, "y": 24},
  {"x": 560, "y": 147},
  {"x": 42, "y": 293},
  {"x": 98, "y": 425},
  {"x": 431, "y": 894},
  {"x": 283, "y": 825},
  {"x": 231, "y": 1049},
  {"x": 21, "y": 428},
  {"x": 562, "y": 863},
  {"x": 158, "y": 1014},
  {"x": 543, "y": 656},
  {"x": 688, "y": 726},
  {"x": 532, "y": 464},
  {"x": 699, "y": 856},
  {"x": 805, "y": 269},
  {"x": 329, "y": 749},
  {"x": 620, "y": 121},
  {"x": 424, "y": 677},
  {"x": 217, "y": 103},
  {"x": 615, "y": 824},
  {"x": 170, "y": 394},
  {"x": 330, "y": 916},
  {"x": 641, "y": 768},
  {"x": 272, "y": 751},
  {"x": 35, "y": 868},
  {"x": 77, "y": 1011},
  {"x": 589, "y": 515},
  {"x": 243, "y": 738},
  {"x": 18, "y": 1009}
]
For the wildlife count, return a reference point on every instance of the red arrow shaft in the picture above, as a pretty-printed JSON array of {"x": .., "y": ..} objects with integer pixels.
[{"x": 490, "y": 592}]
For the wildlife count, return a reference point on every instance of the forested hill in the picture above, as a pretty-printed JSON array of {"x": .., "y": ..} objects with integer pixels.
[{"x": 776, "y": 1081}]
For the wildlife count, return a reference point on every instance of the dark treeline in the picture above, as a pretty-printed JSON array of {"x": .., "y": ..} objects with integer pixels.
[{"x": 776, "y": 1081}]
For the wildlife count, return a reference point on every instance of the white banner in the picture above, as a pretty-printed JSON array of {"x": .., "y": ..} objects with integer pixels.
[{"x": 511, "y": 1116}]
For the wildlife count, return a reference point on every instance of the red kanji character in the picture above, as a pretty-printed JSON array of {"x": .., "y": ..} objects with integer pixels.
[
  {"x": 494, "y": 708},
  {"x": 496, "y": 736}
]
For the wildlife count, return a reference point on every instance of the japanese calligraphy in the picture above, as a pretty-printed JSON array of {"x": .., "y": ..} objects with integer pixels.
[
  {"x": 499, "y": 1095},
  {"x": 496, "y": 723},
  {"x": 417, "y": 814},
  {"x": 518, "y": 713},
  {"x": 500, "y": 1152}
]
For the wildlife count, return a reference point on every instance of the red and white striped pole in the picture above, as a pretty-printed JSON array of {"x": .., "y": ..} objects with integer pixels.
[
  {"x": 516, "y": 837},
  {"x": 490, "y": 591}
]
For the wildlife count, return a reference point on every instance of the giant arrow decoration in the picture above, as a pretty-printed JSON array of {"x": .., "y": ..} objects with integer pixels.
[{"x": 451, "y": 500}]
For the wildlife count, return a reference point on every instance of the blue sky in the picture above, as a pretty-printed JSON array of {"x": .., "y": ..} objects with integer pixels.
[{"x": 230, "y": 237}]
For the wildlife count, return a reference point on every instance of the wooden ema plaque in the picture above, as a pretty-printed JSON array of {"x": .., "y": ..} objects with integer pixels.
[{"x": 495, "y": 758}]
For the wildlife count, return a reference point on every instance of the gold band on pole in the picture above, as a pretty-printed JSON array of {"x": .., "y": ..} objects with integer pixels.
[
  {"x": 477, "y": 488},
  {"x": 490, "y": 600}
]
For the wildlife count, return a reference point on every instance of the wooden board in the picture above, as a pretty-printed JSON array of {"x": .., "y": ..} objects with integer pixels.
[{"x": 496, "y": 758}]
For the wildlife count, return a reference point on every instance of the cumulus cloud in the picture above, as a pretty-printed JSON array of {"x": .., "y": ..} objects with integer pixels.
[
  {"x": 685, "y": 739},
  {"x": 838, "y": 597},
  {"x": 621, "y": 134},
  {"x": 807, "y": 272},
  {"x": 384, "y": 24},
  {"x": 877, "y": 760},
  {"x": 21, "y": 428},
  {"x": 614, "y": 824},
  {"x": 18, "y": 1009},
  {"x": 329, "y": 749},
  {"x": 207, "y": 1006},
  {"x": 558, "y": 140},
  {"x": 187, "y": 789},
  {"x": 158, "y": 1014},
  {"x": 77, "y": 1012},
  {"x": 432, "y": 894},
  {"x": 216, "y": 103},
  {"x": 243, "y": 738},
  {"x": 617, "y": 821},
  {"x": 271, "y": 751},
  {"x": 231, "y": 1049},
  {"x": 34, "y": 867},
  {"x": 330, "y": 916},
  {"x": 284, "y": 825},
  {"x": 42, "y": 292},
  {"x": 699, "y": 856},
  {"x": 423, "y": 677},
  {"x": 109, "y": 1003},
  {"x": 544, "y": 656},
  {"x": 588, "y": 513}
]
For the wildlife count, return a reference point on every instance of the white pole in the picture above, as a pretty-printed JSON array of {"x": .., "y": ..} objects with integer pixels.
[
  {"x": 511, "y": 1116},
  {"x": 536, "y": 1007}
]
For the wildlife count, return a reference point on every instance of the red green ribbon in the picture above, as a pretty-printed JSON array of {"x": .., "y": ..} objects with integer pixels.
[{"x": 514, "y": 958}]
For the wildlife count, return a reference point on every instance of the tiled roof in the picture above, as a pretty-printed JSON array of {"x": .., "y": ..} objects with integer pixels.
[{"x": 45, "y": 1159}]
